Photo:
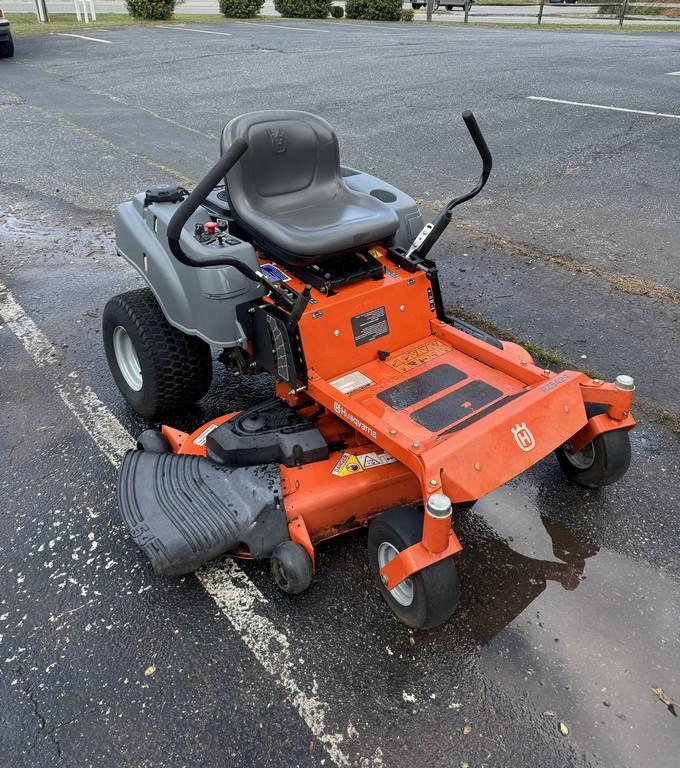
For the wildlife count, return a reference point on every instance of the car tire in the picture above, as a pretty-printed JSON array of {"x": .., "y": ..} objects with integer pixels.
[{"x": 7, "y": 49}]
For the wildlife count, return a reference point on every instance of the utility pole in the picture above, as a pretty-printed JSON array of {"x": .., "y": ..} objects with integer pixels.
[
  {"x": 430, "y": 8},
  {"x": 41, "y": 11}
]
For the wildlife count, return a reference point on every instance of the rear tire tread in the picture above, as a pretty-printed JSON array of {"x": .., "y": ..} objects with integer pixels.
[{"x": 176, "y": 367}]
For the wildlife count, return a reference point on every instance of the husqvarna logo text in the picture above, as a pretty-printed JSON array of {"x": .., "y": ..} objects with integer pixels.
[
  {"x": 342, "y": 411},
  {"x": 523, "y": 437},
  {"x": 277, "y": 139}
]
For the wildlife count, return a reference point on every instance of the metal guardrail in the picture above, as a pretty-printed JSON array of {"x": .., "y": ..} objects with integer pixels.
[{"x": 624, "y": 10}]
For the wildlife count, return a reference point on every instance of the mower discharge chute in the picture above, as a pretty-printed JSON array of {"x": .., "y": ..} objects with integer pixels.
[{"x": 388, "y": 412}]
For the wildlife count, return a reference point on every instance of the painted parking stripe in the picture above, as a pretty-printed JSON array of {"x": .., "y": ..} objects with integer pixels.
[
  {"x": 603, "y": 106},
  {"x": 82, "y": 37},
  {"x": 345, "y": 25},
  {"x": 227, "y": 583},
  {"x": 281, "y": 26},
  {"x": 191, "y": 29},
  {"x": 673, "y": 73}
]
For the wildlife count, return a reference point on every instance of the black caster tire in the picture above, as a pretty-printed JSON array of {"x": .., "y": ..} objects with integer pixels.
[
  {"x": 291, "y": 567},
  {"x": 602, "y": 462},
  {"x": 157, "y": 368},
  {"x": 153, "y": 441},
  {"x": 429, "y": 597}
]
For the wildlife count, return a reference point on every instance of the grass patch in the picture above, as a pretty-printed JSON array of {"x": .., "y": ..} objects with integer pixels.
[{"x": 26, "y": 24}]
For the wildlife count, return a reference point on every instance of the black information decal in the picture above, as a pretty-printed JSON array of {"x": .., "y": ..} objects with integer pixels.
[{"x": 369, "y": 326}]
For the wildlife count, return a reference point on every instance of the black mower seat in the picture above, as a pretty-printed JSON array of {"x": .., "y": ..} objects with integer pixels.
[{"x": 288, "y": 193}]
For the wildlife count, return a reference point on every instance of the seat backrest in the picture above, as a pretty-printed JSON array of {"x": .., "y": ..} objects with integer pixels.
[{"x": 293, "y": 161}]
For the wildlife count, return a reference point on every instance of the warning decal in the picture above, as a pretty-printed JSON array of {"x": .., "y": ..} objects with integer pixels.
[
  {"x": 200, "y": 440},
  {"x": 370, "y": 460},
  {"x": 351, "y": 382},
  {"x": 418, "y": 356},
  {"x": 369, "y": 326},
  {"x": 349, "y": 464}
]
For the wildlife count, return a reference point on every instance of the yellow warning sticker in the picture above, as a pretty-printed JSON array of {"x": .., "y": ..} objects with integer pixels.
[
  {"x": 418, "y": 356},
  {"x": 349, "y": 464}
]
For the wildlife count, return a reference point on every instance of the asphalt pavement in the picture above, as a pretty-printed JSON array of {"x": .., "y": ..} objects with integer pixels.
[{"x": 570, "y": 598}]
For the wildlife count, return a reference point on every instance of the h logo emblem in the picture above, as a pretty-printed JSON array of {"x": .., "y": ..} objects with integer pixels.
[
  {"x": 523, "y": 437},
  {"x": 277, "y": 137}
]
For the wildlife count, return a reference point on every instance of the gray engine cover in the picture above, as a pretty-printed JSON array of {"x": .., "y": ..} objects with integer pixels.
[{"x": 198, "y": 301}]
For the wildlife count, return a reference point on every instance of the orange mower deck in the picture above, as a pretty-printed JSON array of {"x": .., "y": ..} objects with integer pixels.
[{"x": 443, "y": 413}]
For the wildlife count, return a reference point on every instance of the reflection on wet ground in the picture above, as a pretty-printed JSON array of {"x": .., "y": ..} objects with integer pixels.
[{"x": 583, "y": 633}]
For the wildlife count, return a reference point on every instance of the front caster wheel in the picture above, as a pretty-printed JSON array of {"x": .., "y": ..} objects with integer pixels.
[
  {"x": 157, "y": 368},
  {"x": 291, "y": 567},
  {"x": 429, "y": 597},
  {"x": 602, "y": 462},
  {"x": 153, "y": 441}
]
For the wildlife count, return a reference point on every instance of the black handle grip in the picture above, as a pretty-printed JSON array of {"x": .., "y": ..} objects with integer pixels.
[
  {"x": 299, "y": 307},
  {"x": 192, "y": 202},
  {"x": 480, "y": 141},
  {"x": 442, "y": 221}
]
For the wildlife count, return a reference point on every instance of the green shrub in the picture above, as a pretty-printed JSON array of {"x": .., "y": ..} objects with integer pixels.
[
  {"x": 303, "y": 9},
  {"x": 355, "y": 9},
  {"x": 337, "y": 11},
  {"x": 373, "y": 10},
  {"x": 158, "y": 10},
  {"x": 406, "y": 14},
  {"x": 240, "y": 9},
  {"x": 384, "y": 10}
]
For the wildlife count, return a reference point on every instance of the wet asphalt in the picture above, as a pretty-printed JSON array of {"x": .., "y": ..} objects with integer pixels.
[{"x": 571, "y": 599}]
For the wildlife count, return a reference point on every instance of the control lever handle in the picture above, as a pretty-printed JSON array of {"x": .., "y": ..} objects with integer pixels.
[
  {"x": 425, "y": 240},
  {"x": 298, "y": 308}
]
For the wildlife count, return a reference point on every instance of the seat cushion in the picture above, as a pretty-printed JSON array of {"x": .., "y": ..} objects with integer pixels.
[{"x": 287, "y": 189}]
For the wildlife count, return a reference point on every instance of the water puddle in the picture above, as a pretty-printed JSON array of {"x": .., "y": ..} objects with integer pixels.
[{"x": 582, "y": 632}]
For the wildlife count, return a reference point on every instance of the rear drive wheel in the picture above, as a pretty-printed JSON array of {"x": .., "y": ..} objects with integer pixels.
[
  {"x": 429, "y": 597},
  {"x": 157, "y": 368},
  {"x": 602, "y": 462},
  {"x": 291, "y": 567}
]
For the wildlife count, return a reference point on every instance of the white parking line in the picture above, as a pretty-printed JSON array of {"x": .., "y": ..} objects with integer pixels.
[
  {"x": 603, "y": 106},
  {"x": 191, "y": 29},
  {"x": 344, "y": 24},
  {"x": 82, "y": 37},
  {"x": 237, "y": 597},
  {"x": 266, "y": 25},
  {"x": 673, "y": 73}
]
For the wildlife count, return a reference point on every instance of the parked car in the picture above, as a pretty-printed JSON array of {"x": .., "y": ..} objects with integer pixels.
[
  {"x": 6, "y": 42},
  {"x": 437, "y": 4}
]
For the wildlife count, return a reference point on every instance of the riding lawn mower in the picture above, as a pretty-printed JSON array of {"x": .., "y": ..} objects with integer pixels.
[{"x": 388, "y": 412}]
